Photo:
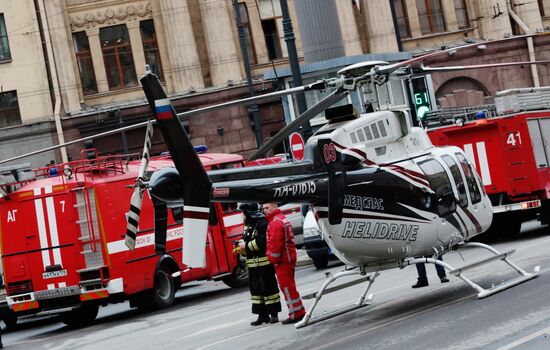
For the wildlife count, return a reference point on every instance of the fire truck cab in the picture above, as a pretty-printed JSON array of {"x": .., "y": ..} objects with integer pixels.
[
  {"x": 508, "y": 143},
  {"x": 62, "y": 231}
]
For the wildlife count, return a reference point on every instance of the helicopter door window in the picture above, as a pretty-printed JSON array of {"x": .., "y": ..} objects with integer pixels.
[
  {"x": 458, "y": 179},
  {"x": 473, "y": 187},
  {"x": 441, "y": 185}
]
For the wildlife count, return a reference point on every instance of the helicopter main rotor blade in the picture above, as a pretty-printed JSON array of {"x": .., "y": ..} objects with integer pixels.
[
  {"x": 477, "y": 66},
  {"x": 305, "y": 117},
  {"x": 318, "y": 85}
]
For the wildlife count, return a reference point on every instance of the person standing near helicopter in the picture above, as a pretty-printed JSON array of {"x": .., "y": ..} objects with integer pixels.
[{"x": 266, "y": 302}]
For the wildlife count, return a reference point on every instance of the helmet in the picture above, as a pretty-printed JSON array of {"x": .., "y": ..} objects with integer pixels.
[{"x": 251, "y": 210}]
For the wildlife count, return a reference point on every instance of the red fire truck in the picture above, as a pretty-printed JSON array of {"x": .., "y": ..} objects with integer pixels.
[
  {"x": 509, "y": 143},
  {"x": 62, "y": 238}
]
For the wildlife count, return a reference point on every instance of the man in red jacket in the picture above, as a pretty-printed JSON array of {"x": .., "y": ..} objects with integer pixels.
[{"x": 281, "y": 252}]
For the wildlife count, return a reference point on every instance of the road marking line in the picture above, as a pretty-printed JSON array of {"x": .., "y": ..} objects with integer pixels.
[{"x": 524, "y": 339}]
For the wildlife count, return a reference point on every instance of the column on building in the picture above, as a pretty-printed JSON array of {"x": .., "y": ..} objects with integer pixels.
[
  {"x": 220, "y": 43},
  {"x": 380, "y": 26},
  {"x": 60, "y": 33},
  {"x": 449, "y": 14},
  {"x": 137, "y": 46},
  {"x": 414, "y": 20},
  {"x": 184, "y": 65},
  {"x": 348, "y": 25},
  {"x": 494, "y": 21},
  {"x": 320, "y": 30},
  {"x": 257, "y": 32},
  {"x": 97, "y": 58},
  {"x": 530, "y": 14}
]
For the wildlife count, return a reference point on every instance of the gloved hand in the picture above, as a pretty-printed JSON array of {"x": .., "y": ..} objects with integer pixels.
[{"x": 239, "y": 250}]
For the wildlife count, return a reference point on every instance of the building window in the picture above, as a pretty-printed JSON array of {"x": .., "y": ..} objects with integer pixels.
[
  {"x": 402, "y": 19},
  {"x": 5, "y": 54},
  {"x": 117, "y": 56},
  {"x": 150, "y": 47},
  {"x": 247, "y": 30},
  {"x": 430, "y": 14},
  {"x": 9, "y": 109},
  {"x": 85, "y": 63},
  {"x": 461, "y": 14},
  {"x": 272, "y": 41}
]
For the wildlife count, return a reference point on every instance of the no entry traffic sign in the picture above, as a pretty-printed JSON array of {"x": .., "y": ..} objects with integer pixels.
[{"x": 297, "y": 146}]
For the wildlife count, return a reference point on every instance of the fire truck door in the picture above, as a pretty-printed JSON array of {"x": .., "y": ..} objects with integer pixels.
[{"x": 217, "y": 248}]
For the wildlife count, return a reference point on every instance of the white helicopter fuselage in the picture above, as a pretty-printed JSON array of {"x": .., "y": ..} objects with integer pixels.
[{"x": 415, "y": 199}]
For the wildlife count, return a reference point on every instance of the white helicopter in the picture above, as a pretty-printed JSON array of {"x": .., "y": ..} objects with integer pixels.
[{"x": 381, "y": 192}]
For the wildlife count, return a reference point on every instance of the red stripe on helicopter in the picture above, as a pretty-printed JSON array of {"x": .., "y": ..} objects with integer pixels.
[{"x": 188, "y": 214}]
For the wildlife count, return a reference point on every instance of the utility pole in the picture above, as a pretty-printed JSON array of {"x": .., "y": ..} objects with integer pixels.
[
  {"x": 253, "y": 110},
  {"x": 290, "y": 40}
]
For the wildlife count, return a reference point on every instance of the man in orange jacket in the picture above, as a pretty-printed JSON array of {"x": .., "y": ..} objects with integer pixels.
[{"x": 281, "y": 252}]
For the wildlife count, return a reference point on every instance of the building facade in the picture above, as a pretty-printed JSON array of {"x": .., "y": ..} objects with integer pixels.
[{"x": 71, "y": 68}]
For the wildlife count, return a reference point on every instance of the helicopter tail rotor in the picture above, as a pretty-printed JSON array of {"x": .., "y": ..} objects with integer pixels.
[{"x": 132, "y": 220}]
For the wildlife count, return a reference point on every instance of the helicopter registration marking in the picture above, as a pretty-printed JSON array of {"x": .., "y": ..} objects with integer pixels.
[
  {"x": 380, "y": 230},
  {"x": 296, "y": 189}
]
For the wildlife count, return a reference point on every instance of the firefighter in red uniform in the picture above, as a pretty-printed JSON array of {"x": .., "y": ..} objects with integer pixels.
[
  {"x": 266, "y": 302},
  {"x": 281, "y": 251}
]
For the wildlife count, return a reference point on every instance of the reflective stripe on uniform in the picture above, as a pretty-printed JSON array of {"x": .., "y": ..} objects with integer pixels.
[
  {"x": 253, "y": 246},
  {"x": 270, "y": 299}
]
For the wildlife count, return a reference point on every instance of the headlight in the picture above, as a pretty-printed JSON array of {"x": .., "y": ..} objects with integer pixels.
[{"x": 310, "y": 232}]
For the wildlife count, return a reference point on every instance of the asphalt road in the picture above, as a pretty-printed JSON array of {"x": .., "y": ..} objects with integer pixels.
[{"x": 441, "y": 316}]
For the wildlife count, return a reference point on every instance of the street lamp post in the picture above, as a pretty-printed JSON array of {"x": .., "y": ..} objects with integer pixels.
[
  {"x": 290, "y": 40},
  {"x": 253, "y": 109}
]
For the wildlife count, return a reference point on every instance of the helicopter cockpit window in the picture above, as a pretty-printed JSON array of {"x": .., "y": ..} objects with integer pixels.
[
  {"x": 473, "y": 187},
  {"x": 440, "y": 184},
  {"x": 458, "y": 179}
]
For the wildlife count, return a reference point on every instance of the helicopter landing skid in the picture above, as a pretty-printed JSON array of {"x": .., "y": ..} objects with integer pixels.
[
  {"x": 364, "y": 300},
  {"x": 482, "y": 292}
]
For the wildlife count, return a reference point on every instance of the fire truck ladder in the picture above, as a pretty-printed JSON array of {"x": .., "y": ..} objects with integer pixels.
[{"x": 89, "y": 235}]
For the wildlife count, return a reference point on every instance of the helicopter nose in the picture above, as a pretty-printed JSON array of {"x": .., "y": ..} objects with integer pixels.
[{"x": 165, "y": 184}]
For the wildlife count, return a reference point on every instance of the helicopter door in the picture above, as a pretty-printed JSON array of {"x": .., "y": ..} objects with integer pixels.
[
  {"x": 443, "y": 203},
  {"x": 461, "y": 196}
]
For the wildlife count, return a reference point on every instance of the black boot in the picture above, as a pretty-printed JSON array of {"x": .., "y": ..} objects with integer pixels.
[
  {"x": 420, "y": 283},
  {"x": 274, "y": 318},
  {"x": 261, "y": 319}
]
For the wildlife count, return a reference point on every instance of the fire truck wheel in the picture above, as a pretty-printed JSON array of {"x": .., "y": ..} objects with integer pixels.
[
  {"x": 82, "y": 316},
  {"x": 239, "y": 278}
]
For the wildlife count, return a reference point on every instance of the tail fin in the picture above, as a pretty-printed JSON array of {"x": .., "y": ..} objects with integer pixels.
[
  {"x": 195, "y": 182},
  {"x": 336, "y": 179}
]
